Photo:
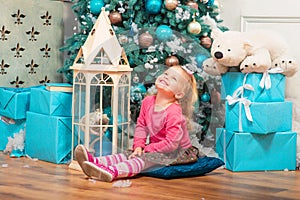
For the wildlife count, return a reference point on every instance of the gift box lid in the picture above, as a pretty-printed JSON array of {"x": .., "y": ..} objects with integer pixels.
[
  {"x": 7, "y": 94},
  {"x": 51, "y": 102},
  {"x": 265, "y": 88}
]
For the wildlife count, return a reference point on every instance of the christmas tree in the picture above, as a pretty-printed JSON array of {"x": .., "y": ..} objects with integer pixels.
[{"x": 157, "y": 34}]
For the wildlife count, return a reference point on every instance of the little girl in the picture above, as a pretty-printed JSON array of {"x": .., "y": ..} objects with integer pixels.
[{"x": 163, "y": 117}]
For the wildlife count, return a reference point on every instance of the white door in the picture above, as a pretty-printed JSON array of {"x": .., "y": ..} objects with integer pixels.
[{"x": 280, "y": 16}]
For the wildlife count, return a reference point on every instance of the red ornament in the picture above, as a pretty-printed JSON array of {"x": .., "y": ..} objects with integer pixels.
[
  {"x": 192, "y": 4},
  {"x": 145, "y": 40},
  {"x": 171, "y": 61},
  {"x": 206, "y": 42},
  {"x": 115, "y": 17}
]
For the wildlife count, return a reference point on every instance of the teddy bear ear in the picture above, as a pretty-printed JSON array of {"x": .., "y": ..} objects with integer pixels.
[
  {"x": 215, "y": 32},
  {"x": 248, "y": 46}
]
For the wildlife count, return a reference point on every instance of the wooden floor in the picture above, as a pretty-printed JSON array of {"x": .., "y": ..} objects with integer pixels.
[{"x": 23, "y": 178}]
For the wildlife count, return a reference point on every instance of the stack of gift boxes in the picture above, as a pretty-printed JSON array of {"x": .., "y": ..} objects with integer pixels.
[
  {"x": 258, "y": 132},
  {"x": 49, "y": 126},
  {"x": 43, "y": 116}
]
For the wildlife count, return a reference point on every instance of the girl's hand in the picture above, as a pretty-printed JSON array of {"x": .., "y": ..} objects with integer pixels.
[{"x": 137, "y": 152}]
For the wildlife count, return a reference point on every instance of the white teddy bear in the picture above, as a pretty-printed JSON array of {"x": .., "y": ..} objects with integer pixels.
[{"x": 253, "y": 51}]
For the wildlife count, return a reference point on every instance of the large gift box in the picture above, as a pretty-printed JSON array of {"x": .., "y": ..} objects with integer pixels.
[
  {"x": 265, "y": 87},
  {"x": 8, "y": 128},
  {"x": 256, "y": 152},
  {"x": 48, "y": 138},
  {"x": 266, "y": 117},
  {"x": 14, "y": 102},
  {"x": 51, "y": 102}
]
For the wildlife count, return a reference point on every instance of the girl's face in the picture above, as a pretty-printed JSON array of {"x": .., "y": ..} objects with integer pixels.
[{"x": 172, "y": 80}]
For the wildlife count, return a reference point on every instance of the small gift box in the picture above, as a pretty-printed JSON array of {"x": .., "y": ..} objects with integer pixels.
[
  {"x": 8, "y": 128},
  {"x": 262, "y": 118},
  {"x": 257, "y": 87},
  {"x": 14, "y": 102},
  {"x": 256, "y": 152},
  {"x": 48, "y": 102},
  {"x": 48, "y": 138}
]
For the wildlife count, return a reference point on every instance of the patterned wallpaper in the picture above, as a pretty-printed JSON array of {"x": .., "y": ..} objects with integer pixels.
[{"x": 31, "y": 35}]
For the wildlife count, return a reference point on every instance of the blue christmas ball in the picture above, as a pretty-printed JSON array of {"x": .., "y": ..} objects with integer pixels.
[
  {"x": 163, "y": 32},
  {"x": 200, "y": 59},
  {"x": 107, "y": 111},
  {"x": 95, "y": 6},
  {"x": 108, "y": 134},
  {"x": 205, "y": 97},
  {"x": 153, "y": 6},
  {"x": 210, "y": 2},
  {"x": 140, "y": 88}
]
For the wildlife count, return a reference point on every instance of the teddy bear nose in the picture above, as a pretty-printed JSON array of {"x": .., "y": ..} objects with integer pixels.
[{"x": 218, "y": 55}]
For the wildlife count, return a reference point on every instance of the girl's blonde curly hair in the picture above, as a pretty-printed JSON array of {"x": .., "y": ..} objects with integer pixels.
[{"x": 190, "y": 97}]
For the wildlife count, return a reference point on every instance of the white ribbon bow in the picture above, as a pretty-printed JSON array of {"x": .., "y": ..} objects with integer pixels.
[
  {"x": 238, "y": 96},
  {"x": 245, "y": 102},
  {"x": 266, "y": 80}
]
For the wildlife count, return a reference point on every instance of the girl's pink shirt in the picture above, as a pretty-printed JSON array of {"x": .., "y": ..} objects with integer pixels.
[{"x": 166, "y": 129}]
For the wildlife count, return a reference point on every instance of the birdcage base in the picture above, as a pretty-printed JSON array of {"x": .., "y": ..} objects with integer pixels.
[{"x": 75, "y": 166}]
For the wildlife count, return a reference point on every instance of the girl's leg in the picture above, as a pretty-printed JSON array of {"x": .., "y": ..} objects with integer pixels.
[
  {"x": 127, "y": 168},
  {"x": 82, "y": 154}
]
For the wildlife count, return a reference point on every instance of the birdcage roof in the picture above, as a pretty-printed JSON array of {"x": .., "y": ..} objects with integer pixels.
[{"x": 101, "y": 38}]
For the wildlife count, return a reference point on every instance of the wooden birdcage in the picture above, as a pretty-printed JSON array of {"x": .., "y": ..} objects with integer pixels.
[{"x": 101, "y": 97}]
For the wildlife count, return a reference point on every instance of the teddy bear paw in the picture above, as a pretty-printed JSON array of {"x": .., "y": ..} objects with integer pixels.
[
  {"x": 250, "y": 64},
  {"x": 287, "y": 64}
]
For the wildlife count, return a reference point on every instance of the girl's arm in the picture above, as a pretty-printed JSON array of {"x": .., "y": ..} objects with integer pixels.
[{"x": 140, "y": 133}]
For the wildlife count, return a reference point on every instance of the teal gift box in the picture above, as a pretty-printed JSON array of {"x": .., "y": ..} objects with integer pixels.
[
  {"x": 232, "y": 81},
  {"x": 256, "y": 152},
  {"x": 50, "y": 102},
  {"x": 48, "y": 137},
  {"x": 266, "y": 117},
  {"x": 9, "y": 129},
  {"x": 14, "y": 102}
]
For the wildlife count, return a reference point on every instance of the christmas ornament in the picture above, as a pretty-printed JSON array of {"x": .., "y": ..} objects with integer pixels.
[
  {"x": 115, "y": 17},
  {"x": 107, "y": 111},
  {"x": 194, "y": 27},
  {"x": 206, "y": 41},
  {"x": 140, "y": 88},
  {"x": 153, "y": 6},
  {"x": 171, "y": 61},
  {"x": 163, "y": 32},
  {"x": 210, "y": 2},
  {"x": 199, "y": 59},
  {"x": 137, "y": 92},
  {"x": 95, "y": 6},
  {"x": 171, "y": 4},
  {"x": 145, "y": 40},
  {"x": 205, "y": 97},
  {"x": 192, "y": 4}
]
